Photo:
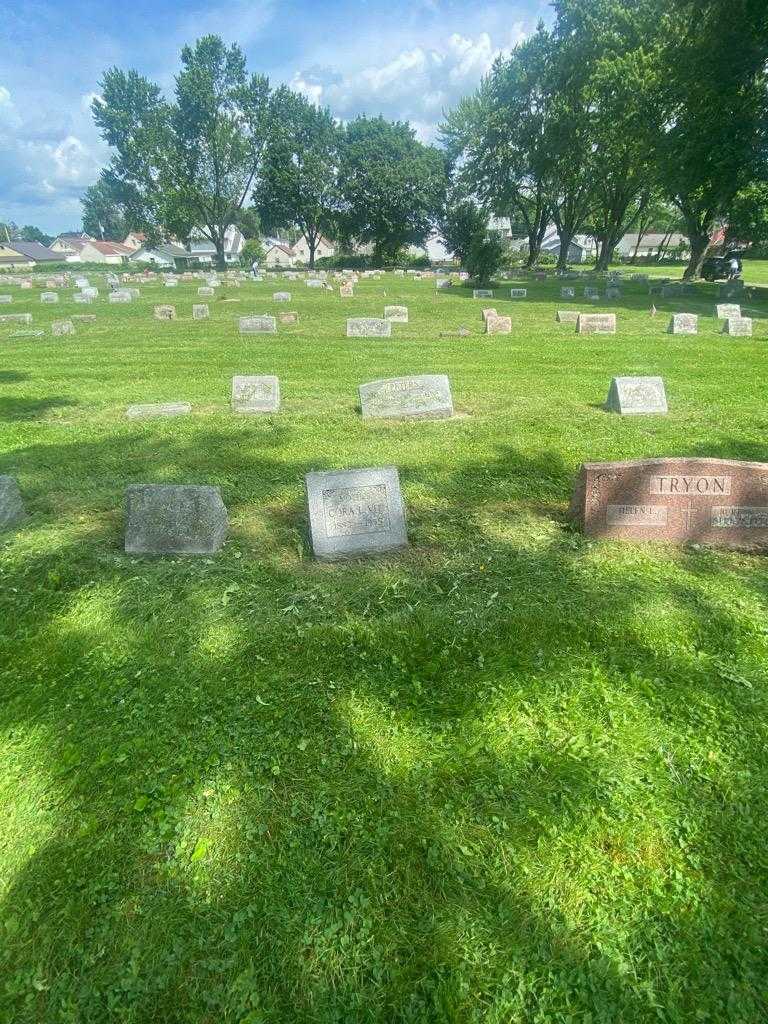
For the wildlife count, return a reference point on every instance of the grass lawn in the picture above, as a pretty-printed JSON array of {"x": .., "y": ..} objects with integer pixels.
[{"x": 509, "y": 776}]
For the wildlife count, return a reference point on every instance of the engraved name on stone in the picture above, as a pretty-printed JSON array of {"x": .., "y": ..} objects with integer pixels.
[
  {"x": 424, "y": 397},
  {"x": 636, "y": 515},
  {"x": 363, "y": 327},
  {"x": 690, "y": 486},
  {"x": 518, "y": 293},
  {"x": 596, "y": 323},
  {"x": 257, "y": 325},
  {"x": 742, "y": 517},
  {"x": 355, "y": 512}
]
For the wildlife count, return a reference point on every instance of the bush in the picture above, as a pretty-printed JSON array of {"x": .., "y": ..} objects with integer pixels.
[
  {"x": 486, "y": 255},
  {"x": 252, "y": 250}
]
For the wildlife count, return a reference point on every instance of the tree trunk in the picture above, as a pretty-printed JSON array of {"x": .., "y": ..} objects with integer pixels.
[
  {"x": 699, "y": 246},
  {"x": 565, "y": 245},
  {"x": 221, "y": 263},
  {"x": 312, "y": 243}
]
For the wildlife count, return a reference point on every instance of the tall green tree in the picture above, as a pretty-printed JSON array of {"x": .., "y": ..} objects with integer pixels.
[
  {"x": 460, "y": 224},
  {"x": 299, "y": 182},
  {"x": 713, "y": 125},
  {"x": 747, "y": 215},
  {"x": 191, "y": 162},
  {"x": 392, "y": 185},
  {"x": 104, "y": 214}
]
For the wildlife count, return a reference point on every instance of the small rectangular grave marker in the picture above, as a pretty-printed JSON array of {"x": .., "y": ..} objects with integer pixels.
[
  {"x": 16, "y": 318},
  {"x": 482, "y": 293},
  {"x": 288, "y": 318},
  {"x": 119, "y": 295},
  {"x": 498, "y": 325},
  {"x": 61, "y": 327},
  {"x": 258, "y": 325},
  {"x": 205, "y": 292},
  {"x": 518, "y": 293},
  {"x": 683, "y": 323},
  {"x": 567, "y": 293},
  {"x": 596, "y": 323},
  {"x": 738, "y": 327},
  {"x": 368, "y": 327},
  {"x": 637, "y": 396},
  {"x": 174, "y": 520},
  {"x": 49, "y": 297},
  {"x": 255, "y": 394},
  {"x": 200, "y": 311},
  {"x": 355, "y": 512},
  {"x": 281, "y": 296},
  {"x": 5, "y": 299},
  {"x": 725, "y": 310},
  {"x": 165, "y": 312},
  {"x": 397, "y": 314},
  {"x": 424, "y": 397},
  {"x": 157, "y": 409}
]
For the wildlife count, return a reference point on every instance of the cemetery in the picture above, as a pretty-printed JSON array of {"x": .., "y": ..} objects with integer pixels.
[{"x": 384, "y": 614}]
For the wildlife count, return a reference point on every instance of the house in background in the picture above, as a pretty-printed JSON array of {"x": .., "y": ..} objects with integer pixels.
[
  {"x": 204, "y": 251},
  {"x": 134, "y": 240},
  {"x": 95, "y": 251},
  {"x": 167, "y": 256},
  {"x": 650, "y": 245},
  {"x": 278, "y": 254},
  {"x": 69, "y": 243},
  {"x": 27, "y": 254},
  {"x": 582, "y": 248},
  {"x": 323, "y": 248}
]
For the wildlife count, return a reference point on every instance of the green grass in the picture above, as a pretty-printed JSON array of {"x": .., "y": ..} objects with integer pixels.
[{"x": 510, "y": 776}]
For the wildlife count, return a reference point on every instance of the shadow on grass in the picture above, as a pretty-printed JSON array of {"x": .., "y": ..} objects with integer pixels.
[
  {"x": 31, "y": 408},
  {"x": 454, "y": 788},
  {"x": 12, "y": 376}
]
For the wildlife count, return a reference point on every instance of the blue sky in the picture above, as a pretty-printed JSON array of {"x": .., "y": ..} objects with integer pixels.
[{"x": 407, "y": 59}]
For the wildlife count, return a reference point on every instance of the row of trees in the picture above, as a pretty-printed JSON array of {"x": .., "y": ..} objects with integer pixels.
[
  {"x": 228, "y": 138},
  {"x": 621, "y": 107},
  {"x": 11, "y": 232},
  {"x": 598, "y": 124}
]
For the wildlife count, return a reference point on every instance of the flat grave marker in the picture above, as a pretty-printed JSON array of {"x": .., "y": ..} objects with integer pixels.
[
  {"x": 165, "y": 312},
  {"x": 257, "y": 394},
  {"x": 396, "y": 314},
  {"x": 421, "y": 397},
  {"x": 62, "y": 327},
  {"x": 518, "y": 293},
  {"x": 257, "y": 324},
  {"x": 567, "y": 316},
  {"x": 368, "y": 327},
  {"x": 725, "y": 310},
  {"x": 596, "y": 323},
  {"x": 200, "y": 311},
  {"x": 174, "y": 519},
  {"x": 637, "y": 396},
  {"x": 498, "y": 325}
]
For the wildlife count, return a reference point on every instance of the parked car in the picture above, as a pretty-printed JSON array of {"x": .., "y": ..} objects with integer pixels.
[{"x": 718, "y": 268}]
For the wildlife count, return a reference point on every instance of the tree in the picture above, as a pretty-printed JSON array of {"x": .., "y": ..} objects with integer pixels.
[
  {"x": 252, "y": 250},
  {"x": 461, "y": 223},
  {"x": 192, "y": 162},
  {"x": 104, "y": 215},
  {"x": 713, "y": 126},
  {"x": 32, "y": 234},
  {"x": 299, "y": 181},
  {"x": 486, "y": 254},
  {"x": 393, "y": 186},
  {"x": 247, "y": 220},
  {"x": 748, "y": 215}
]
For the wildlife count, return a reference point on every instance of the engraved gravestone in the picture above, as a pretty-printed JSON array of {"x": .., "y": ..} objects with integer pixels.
[
  {"x": 61, "y": 327},
  {"x": 288, "y": 318},
  {"x": 205, "y": 292},
  {"x": 11, "y": 505},
  {"x": 482, "y": 293},
  {"x": 257, "y": 325},
  {"x": 567, "y": 293},
  {"x": 721, "y": 502},
  {"x": 200, "y": 311},
  {"x": 157, "y": 409},
  {"x": 355, "y": 512},
  {"x": 16, "y": 318},
  {"x": 724, "y": 310},
  {"x": 49, "y": 297},
  {"x": 738, "y": 327},
  {"x": 596, "y": 323},
  {"x": 281, "y": 296},
  {"x": 255, "y": 394},
  {"x": 637, "y": 396},
  {"x": 171, "y": 283},
  {"x": 120, "y": 295},
  {"x": 396, "y": 314},
  {"x": 683, "y": 323},
  {"x": 424, "y": 397},
  {"x": 568, "y": 316},
  {"x": 346, "y": 291},
  {"x": 518, "y": 293},
  {"x": 91, "y": 292},
  {"x": 498, "y": 325},
  {"x": 368, "y": 327},
  {"x": 165, "y": 312},
  {"x": 173, "y": 519}
]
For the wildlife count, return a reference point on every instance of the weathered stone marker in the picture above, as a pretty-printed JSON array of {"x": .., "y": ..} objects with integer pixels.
[
  {"x": 346, "y": 291},
  {"x": 11, "y": 506},
  {"x": 596, "y": 323},
  {"x": 120, "y": 295},
  {"x": 725, "y": 310},
  {"x": 637, "y": 396},
  {"x": 498, "y": 325},
  {"x": 61, "y": 327},
  {"x": 288, "y": 318},
  {"x": 683, "y": 323},
  {"x": 255, "y": 394},
  {"x": 257, "y": 325},
  {"x": 174, "y": 519},
  {"x": 568, "y": 316},
  {"x": 424, "y": 397},
  {"x": 313, "y": 282},
  {"x": 200, "y": 311},
  {"x": 16, "y": 318},
  {"x": 6, "y": 299},
  {"x": 355, "y": 512},
  {"x": 165, "y": 312},
  {"x": 738, "y": 327},
  {"x": 49, "y": 297},
  {"x": 157, "y": 409},
  {"x": 205, "y": 292},
  {"x": 567, "y": 293},
  {"x": 482, "y": 293},
  {"x": 397, "y": 314},
  {"x": 709, "y": 501},
  {"x": 368, "y": 327},
  {"x": 518, "y": 293},
  {"x": 281, "y": 296}
]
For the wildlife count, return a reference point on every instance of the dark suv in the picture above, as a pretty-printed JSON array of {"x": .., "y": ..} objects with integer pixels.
[{"x": 718, "y": 268}]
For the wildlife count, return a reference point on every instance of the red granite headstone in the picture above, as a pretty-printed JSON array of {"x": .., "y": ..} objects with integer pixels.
[{"x": 720, "y": 502}]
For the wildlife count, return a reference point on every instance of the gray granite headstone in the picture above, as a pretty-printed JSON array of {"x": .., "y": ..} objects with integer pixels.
[
  {"x": 11, "y": 505},
  {"x": 174, "y": 519},
  {"x": 171, "y": 284},
  {"x": 725, "y": 310},
  {"x": 442, "y": 282},
  {"x": 255, "y": 394},
  {"x": 314, "y": 283},
  {"x": 200, "y": 311},
  {"x": 397, "y": 314},
  {"x": 288, "y": 318},
  {"x": 165, "y": 312},
  {"x": 591, "y": 293},
  {"x": 424, "y": 397},
  {"x": 683, "y": 323},
  {"x": 518, "y": 293},
  {"x": 49, "y": 297},
  {"x": 568, "y": 316},
  {"x": 16, "y": 318},
  {"x": 92, "y": 293},
  {"x": 355, "y": 512},
  {"x": 61, "y": 327},
  {"x": 157, "y": 409},
  {"x": 206, "y": 292},
  {"x": 482, "y": 293},
  {"x": 567, "y": 293},
  {"x": 281, "y": 296},
  {"x": 596, "y": 323},
  {"x": 257, "y": 325},
  {"x": 636, "y": 396},
  {"x": 738, "y": 327},
  {"x": 498, "y": 324},
  {"x": 368, "y": 327}
]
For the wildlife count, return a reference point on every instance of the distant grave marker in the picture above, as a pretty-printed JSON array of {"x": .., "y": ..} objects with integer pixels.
[
  {"x": 423, "y": 397},
  {"x": 49, "y": 297},
  {"x": 567, "y": 293},
  {"x": 596, "y": 323},
  {"x": 200, "y": 311},
  {"x": 281, "y": 296},
  {"x": 259, "y": 394},
  {"x": 61, "y": 327},
  {"x": 567, "y": 316},
  {"x": 165, "y": 312},
  {"x": 396, "y": 314},
  {"x": 498, "y": 325},
  {"x": 173, "y": 519},
  {"x": 738, "y": 327},
  {"x": 518, "y": 293},
  {"x": 482, "y": 293},
  {"x": 725, "y": 310},
  {"x": 683, "y": 323},
  {"x": 637, "y": 396},
  {"x": 257, "y": 325},
  {"x": 368, "y": 327}
]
